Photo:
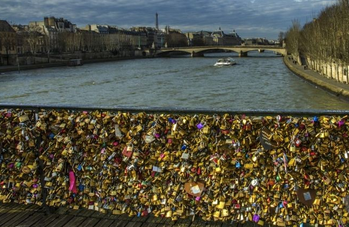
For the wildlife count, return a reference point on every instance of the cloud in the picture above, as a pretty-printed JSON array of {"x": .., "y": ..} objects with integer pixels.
[{"x": 249, "y": 18}]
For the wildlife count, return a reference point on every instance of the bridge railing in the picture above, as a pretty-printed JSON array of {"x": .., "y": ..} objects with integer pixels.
[
  {"x": 267, "y": 166},
  {"x": 227, "y": 46}
]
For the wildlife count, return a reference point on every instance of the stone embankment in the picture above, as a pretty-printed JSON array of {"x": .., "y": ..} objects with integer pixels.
[
  {"x": 339, "y": 89},
  {"x": 37, "y": 62},
  {"x": 10, "y": 68}
]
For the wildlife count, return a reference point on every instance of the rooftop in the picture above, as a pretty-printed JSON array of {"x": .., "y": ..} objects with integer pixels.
[{"x": 5, "y": 26}]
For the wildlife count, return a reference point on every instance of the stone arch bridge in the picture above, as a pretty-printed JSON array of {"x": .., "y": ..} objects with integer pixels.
[{"x": 200, "y": 50}]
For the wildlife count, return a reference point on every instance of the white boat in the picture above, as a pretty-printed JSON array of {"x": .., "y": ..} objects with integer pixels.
[{"x": 225, "y": 62}]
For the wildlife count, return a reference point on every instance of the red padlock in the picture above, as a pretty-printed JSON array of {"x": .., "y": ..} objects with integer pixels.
[
  {"x": 298, "y": 142},
  {"x": 127, "y": 151}
]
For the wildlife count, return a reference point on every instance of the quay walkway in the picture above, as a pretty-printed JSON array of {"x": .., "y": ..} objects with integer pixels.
[{"x": 341, "y": 90}]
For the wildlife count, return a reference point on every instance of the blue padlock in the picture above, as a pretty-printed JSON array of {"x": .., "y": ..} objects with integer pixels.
[
  {"x": 237, "y": 165},
  {"x": 51, "y": 136},
  {"x": 81, "y": 187}
]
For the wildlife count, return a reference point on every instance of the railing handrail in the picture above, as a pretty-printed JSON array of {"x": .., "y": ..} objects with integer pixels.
[{"x": 250, "y": 112}]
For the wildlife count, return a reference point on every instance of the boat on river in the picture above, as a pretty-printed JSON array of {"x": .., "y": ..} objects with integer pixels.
[{"x": 225, "y": 62}]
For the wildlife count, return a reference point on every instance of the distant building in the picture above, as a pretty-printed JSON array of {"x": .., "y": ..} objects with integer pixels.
[
  {"x": 30, "y": 39},
  {"x": 59, "y": 24},
  {"x": 232, "y": 39},
  {"x": 222, "y": 39},
  {"x": 175, "y": 38},
  {"x": 101, "y": 29},
  {"x": 55, "y": 30},
  {"x": 8, "y": 42},
  {"x": 256, "y": 41},
  {"x": 195, "y": 38},
  {"x": 114, "y": 38},
  {"x": 213, "y": 38},
  {"x": 207, "y": 38},
  {"x": 155, "y": 38}
]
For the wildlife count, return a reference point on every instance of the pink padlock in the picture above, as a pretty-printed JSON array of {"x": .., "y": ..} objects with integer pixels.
[{"x": 72, "y": 181}]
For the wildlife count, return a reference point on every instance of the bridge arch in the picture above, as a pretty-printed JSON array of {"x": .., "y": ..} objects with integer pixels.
[{"x": 169, "y": 52}]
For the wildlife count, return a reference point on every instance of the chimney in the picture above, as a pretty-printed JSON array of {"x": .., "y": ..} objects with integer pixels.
[{"x": 157, "y": 21}]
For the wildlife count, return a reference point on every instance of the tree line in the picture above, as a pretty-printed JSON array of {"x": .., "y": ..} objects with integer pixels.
[{"x": 325, "y": 38}]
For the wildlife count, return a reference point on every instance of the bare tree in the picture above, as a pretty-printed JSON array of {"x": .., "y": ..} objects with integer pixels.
[
  {"x": 47, "y": 43},
  {"x": 292, "y": 37},
  {"x": 7, "y": 43},
  {"x": 34, "y": 38},
  {"x": 326, "y": 38}
]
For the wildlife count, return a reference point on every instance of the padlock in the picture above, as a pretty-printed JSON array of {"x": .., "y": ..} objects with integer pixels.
[
  {"x": 221, "y": 205},
  {"x": 217, "y": 214},
  {"x": 293, "y": 147}
]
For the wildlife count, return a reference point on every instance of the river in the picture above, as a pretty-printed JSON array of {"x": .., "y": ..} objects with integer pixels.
[{"x": 260, "y": 81}]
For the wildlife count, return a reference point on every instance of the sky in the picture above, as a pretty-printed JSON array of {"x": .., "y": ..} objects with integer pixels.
[{"x": 249, "y": 18}]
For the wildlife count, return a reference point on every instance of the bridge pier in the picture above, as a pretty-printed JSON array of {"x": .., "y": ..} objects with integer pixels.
[
  {"x": 242, "y": 54},
  {"x": 195, "y": 54}
]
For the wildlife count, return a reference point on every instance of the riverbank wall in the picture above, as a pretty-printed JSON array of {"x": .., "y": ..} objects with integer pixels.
[
  {"x": 4, "y": 69},
  {"x": 19, "y": 63},
  {"x": 337, "y": 88}
]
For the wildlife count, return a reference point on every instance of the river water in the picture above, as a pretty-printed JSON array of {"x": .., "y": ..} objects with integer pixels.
[{"x": 260, "y": 81}]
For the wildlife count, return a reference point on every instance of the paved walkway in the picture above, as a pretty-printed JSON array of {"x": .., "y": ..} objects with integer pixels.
[{"x": 339, "y": 89}]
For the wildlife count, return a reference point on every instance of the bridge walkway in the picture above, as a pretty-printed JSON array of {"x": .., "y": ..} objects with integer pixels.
[{"x": 20, "y": 215}]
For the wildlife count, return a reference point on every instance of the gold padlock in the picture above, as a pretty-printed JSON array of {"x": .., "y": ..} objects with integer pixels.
[
  {"x": 217, "y": 214},
  {"x": 293, "y": 147},
  {"x": 169, "y": 214},
  {"x": 155, "y": 197},
  {"x": 221, "y": 205}
]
